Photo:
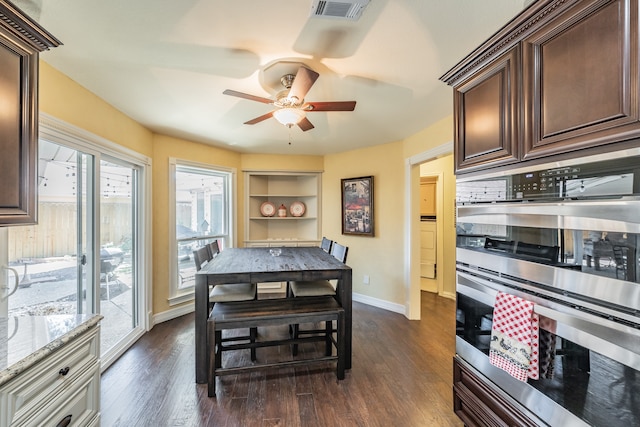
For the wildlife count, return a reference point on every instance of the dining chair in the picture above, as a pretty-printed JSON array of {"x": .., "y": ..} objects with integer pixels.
[
  {"x": 319, "y": 287},
  {"x": 315, "y": 288},
  {"x": 227, "y": 293},
  {"x": 326, "y": 244},
  {"x": 201, "y": 257},
  {"x": 214, "y": 248}
]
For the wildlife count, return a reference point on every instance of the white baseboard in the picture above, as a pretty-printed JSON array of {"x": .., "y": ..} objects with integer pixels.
[
  {"x": 379, "y": 303},
  {"x": 448, "y": 295},
  {"x": 173, "y": 313}
]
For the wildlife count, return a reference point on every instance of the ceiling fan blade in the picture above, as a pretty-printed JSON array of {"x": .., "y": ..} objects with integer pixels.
[
  {"x": 305, "y": 78},
  {"x": 330, "y": 106},
  {"x": 259, "y": 119},
  {"x": 305, "y": 124},
  {"x": 247, "y": 96}
]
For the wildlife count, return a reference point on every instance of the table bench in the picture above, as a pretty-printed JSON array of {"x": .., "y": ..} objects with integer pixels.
[{"x": 274, "y": 312}]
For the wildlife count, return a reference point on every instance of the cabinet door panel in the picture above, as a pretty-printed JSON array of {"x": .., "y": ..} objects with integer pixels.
[
  {"x": 10, "y": 129},
  {"x": 18, "y": 139},
  {"x": 486, "y": 116},
  {"x": 21, "y": 40},
  {"x": 580, "y": 77}
]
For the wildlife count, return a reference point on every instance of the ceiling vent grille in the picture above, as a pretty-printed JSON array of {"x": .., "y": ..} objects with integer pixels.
[{"x": 347, "y": 9}]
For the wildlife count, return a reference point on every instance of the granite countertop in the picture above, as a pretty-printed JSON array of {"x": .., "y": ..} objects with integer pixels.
[{"x": 26, "y": 340}]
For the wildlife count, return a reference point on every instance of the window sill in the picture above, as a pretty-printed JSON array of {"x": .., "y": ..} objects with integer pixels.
[{"x": 180, "y": 298}]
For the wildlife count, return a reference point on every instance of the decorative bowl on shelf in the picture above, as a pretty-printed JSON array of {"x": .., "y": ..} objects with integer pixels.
[
  {"x": 268, "y": 209},
  {"x": 297, "y": 209}
]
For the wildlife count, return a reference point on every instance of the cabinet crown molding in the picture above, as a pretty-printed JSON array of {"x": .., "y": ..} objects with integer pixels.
[
  {"x": 505, "y": 38},
  {"x": 19, "y": 24}
]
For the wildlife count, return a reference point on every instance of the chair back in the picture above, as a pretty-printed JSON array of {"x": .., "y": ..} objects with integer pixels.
[
  {"x": 214, "y": 248},
  {"x": 326, "y": 245},
  {"x": 339, "y": 252},
  {"x": 201, "y": 256}
]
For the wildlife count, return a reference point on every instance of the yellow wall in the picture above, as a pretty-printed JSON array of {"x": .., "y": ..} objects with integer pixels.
[
  {"x": 434, "y": 136},
  {"x": 279, "y": 162},
  {"x": 381, "y": 256},
  {"x": 64, "y": 99}
]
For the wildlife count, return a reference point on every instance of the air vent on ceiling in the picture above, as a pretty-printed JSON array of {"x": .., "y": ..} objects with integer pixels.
[{"x": 345, "y": 9}]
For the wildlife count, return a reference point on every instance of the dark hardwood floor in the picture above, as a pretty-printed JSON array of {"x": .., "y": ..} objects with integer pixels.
[{"x": 401, "y": 376}]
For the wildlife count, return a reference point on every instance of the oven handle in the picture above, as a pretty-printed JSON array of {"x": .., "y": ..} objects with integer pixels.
[
  {"x": 614, "y": 340},
  {"x": 618, "y": 215},
  {"x": 485, "y": 291},
  {"x": 474, "y": 289}
]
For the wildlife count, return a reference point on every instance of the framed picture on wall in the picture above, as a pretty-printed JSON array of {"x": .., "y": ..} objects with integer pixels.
[{"x": 357, "y": 206}]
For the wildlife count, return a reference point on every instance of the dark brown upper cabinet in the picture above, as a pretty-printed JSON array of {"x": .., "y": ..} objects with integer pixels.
[
  {"x": 486, "y": 110},
  {"x": 572, "y": 71},
  {"x": 580, "y": 74},
  {"x": 21, "y": 40}
]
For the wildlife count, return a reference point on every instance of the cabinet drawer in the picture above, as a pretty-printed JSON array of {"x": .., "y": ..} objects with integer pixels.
[
  {"x": 43, "y": 382},
  {"x": 479, "y": 404},
  {"x": 79, "y": 404}
]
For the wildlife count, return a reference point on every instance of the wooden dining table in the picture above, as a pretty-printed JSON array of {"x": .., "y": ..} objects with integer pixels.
[{"x": 258, "y": 265}]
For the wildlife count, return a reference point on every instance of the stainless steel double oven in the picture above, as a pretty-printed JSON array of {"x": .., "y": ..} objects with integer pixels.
[{"x": 564, "y": 236}]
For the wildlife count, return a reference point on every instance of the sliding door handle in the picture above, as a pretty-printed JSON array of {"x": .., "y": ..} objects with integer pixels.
[{"x": 15, "y": 284}]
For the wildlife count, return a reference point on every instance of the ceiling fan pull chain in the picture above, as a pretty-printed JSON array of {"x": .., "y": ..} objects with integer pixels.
[{"x": 289, "y": 135}]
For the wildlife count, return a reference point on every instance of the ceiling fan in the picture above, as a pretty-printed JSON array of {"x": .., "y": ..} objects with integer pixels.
[{"x": 290, "y": 106}]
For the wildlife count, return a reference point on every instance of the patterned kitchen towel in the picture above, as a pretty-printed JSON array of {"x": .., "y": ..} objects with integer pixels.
[
  {"x": 514, "y": 337},
  {"x": 547, "y": 342}
]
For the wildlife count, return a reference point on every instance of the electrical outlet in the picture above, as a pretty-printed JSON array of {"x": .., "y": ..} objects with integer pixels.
[{"x": 365, "y": 279}]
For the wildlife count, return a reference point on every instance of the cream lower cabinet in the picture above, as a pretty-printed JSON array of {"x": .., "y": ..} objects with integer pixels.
[
  {"x": 281, "y": 189},
  {"x": 428, "y": 249},
  {"x": 61, "y": 390}
]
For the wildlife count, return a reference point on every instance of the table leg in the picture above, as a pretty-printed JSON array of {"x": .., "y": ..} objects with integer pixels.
[
  {"x": 344, "y": 296},
  {"x": 201, "y": 315}
]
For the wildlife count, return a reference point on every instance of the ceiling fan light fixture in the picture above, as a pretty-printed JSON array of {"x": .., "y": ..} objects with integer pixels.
[{"x": 289, "y": 116}]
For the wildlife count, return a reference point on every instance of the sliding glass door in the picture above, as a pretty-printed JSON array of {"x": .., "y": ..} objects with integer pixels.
[
  {"x": 84, "y": 255},
  {"x": 54, "y": 258},
  {"x": 118, "y": 248}
]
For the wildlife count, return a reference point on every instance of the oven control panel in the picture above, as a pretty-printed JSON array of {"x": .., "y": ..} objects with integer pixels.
[
  {"x": 546, "y": 183},
  {"x": 612, "y": 178}
]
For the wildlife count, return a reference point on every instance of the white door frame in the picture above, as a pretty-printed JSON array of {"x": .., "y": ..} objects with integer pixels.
[
  {"x": 62, "y": 132},
  {"x": 412, "y": 226}
]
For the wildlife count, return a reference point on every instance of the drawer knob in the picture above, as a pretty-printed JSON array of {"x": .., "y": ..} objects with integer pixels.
[
  {"x": 64, "y": 371},
  {"x": 65, "y": 421}
]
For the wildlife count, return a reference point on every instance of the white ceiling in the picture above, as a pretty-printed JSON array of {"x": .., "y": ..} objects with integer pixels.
[{"x": 165, "y": 63}]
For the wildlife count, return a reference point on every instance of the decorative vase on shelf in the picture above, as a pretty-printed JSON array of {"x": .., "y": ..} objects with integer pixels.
[{"x": 282, "y": 211}]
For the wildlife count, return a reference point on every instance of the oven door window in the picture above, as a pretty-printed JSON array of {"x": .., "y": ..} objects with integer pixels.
[
  {"x": 593, "y": 387},
  {"x": 598, "y": 252},
  {"x": 473, "y": 322}
]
